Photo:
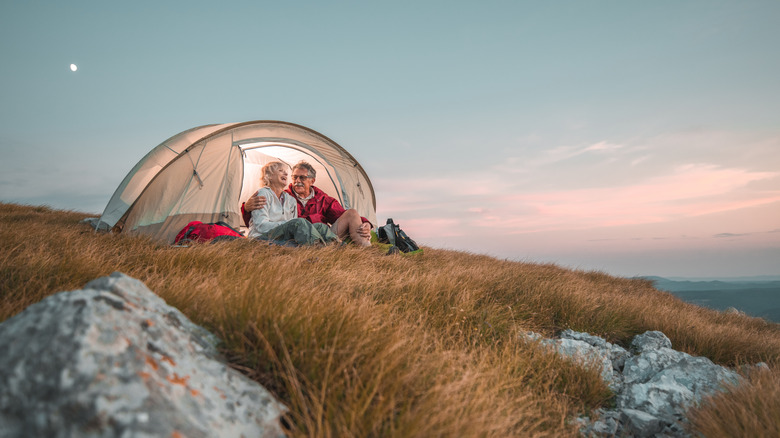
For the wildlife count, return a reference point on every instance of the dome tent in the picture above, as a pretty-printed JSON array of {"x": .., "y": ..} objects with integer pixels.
[{"x": 205, "y": 173}]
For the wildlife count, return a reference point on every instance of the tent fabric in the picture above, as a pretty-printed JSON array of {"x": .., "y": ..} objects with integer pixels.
[{"x": 205, "y": 173}]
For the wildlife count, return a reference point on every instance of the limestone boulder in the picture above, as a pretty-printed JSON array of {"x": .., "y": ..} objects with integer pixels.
[
  {"x": 650, "y": 340},
  {"x": 642, "y": 367},
  {"x": 679, "y": 381},
  {"x": 589, "y": 356},
  {"x": 114, "y": 360},
  {"x": 590, "y": 351},
  {"x": 616, "y": 354},
  {"x": 654, "y": 384}
]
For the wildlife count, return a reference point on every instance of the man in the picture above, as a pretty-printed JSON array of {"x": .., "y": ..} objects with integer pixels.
[{"x": 316, "y": 206}]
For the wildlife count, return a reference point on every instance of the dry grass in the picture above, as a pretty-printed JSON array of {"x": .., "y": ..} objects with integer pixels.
[
  {"x": 360, "y": 344},
  {"x": 751, "y": 409}
]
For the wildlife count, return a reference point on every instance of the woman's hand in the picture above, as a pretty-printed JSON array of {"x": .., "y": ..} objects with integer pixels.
[{"x": 255, "y": 203}]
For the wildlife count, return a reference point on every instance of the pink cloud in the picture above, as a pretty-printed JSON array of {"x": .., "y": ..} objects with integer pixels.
[
  {"x": 442, "y": 207},
  {"x": 690, "y": 190},
  {"x": 429, "y": 228}
]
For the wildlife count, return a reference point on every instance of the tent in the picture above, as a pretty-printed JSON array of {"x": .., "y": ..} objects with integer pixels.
[{"x": 205, "y": 173}]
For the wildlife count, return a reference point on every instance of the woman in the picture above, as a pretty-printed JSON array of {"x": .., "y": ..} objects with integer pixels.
[
  {"x": 280, "y": 206},
  {"x": 278, "y": 219}
]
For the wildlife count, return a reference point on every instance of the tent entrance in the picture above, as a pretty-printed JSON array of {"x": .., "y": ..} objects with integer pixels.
[{"x": 257, "y": 153}]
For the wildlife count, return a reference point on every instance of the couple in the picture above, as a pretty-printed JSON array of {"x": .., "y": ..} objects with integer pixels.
[{"x": 300, "y": 211}]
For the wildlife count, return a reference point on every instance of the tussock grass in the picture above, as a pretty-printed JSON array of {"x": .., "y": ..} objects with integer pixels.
[
  {"x": 751, "y": 409},
  {"x": 361, "y": 344}
]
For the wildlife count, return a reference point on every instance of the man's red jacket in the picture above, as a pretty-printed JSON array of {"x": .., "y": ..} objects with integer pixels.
[{"x": 320, "y": 208}]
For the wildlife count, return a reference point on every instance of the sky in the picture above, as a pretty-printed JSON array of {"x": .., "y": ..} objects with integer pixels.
[{"x": 632, "y": 138}]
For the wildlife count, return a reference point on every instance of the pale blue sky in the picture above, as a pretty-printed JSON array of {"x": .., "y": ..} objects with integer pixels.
[{"x": 637, "y": 138}]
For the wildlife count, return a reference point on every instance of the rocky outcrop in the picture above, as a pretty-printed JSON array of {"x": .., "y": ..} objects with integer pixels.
[
  {"x": 113, "y": 360},
  {"x": 654, "y": 384}
]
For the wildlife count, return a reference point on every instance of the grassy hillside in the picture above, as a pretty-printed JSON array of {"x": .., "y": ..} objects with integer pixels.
[{"x": 357, "y": 343}]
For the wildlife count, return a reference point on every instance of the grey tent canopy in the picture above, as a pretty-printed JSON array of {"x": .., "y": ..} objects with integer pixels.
[{"x": 205, "y": 173}]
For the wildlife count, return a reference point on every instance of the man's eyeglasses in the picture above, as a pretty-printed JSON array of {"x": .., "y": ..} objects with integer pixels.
[{"x": 300, "y": 177}]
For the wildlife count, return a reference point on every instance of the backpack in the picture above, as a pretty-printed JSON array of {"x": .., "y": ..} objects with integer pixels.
[
  {"x": 197, "y": 231},
  {"x": 394, "y": 235}
]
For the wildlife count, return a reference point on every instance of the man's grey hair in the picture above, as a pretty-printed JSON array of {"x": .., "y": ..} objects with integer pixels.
[{"x": 307, "y": 167}]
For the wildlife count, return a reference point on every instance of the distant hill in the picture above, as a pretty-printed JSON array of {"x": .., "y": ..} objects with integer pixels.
[{"x": 755, "y": 298}]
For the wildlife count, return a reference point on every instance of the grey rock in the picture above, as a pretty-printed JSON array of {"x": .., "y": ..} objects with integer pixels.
[
  {"x": 641, "y": 424},
  {"x": 592, "y": 340},
  {"x": 654, "y": 387},
  {"x": 662, "y": 397},
  {"x": 530, "y": 336},
  {"x": 113, "y": 360},
  {"x": 734, "y": 311},
  {"x": 752, "y": 369},
  {"x": 642, "y": 367},
  {"x": 651, "y": 340},
  {"x": 673, "y": 430},
  {"x": 579, "y": 348},
  {"x": 606, "y": 423},
  {"x": 677, "y": 386},
  {"x": 619, "y": 356},
  {"x": 616, "y": 353},
  {"x": 589, "y": 355}
]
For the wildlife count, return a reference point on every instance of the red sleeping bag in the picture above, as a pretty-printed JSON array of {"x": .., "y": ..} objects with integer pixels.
[{"x": 197, "y": 231}]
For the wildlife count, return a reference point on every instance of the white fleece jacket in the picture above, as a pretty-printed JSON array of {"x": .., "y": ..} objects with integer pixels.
[{"x": 275, "y": 213}]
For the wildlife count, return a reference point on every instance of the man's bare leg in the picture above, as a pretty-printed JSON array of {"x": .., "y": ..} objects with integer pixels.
[{"x": 351, "y": 225}]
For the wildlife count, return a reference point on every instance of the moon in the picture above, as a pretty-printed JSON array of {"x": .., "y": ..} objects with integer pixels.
[{"x": 74, "y": 67}]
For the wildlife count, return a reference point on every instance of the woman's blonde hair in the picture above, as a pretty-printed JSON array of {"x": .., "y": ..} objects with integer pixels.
[{"x": 268, "y": 170}]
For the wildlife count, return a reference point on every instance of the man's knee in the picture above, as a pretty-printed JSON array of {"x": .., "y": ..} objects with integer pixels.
[
  {"x": 350, "y": 216},
  {"x": 348, "y": 221}
]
